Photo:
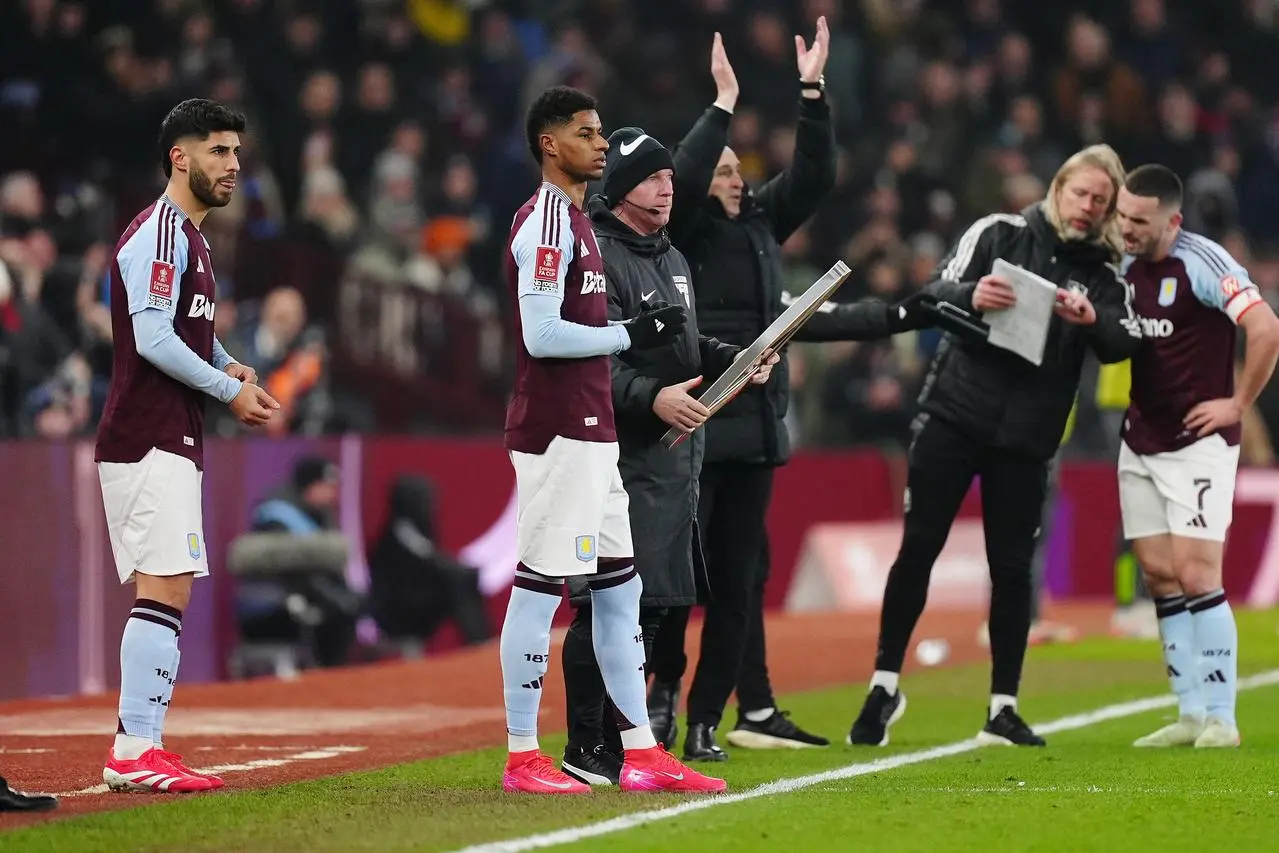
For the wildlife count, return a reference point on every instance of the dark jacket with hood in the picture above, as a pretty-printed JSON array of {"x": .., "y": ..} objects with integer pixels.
[
  {"x": 662, "y": 484},
  {"x": 994, "y": 396},
  {"x": 737, "y": 268}
]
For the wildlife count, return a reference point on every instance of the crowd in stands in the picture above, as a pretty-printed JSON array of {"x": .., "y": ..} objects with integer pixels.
[{"x": 359, "y": 266}]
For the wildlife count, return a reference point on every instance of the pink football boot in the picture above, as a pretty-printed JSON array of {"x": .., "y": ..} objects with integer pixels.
[
  {"x": 655, "y": 769},
  {"x": 532, "y": 772},
  {"x": 151, "y": 773},
  {"x": 176, "y": 760}
]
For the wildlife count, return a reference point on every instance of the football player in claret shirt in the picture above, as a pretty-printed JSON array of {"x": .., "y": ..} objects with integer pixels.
[
  {"x": 573, "y": 510},
  {"x": 1180, "y": 445},
  {"x": 150, "y": 443}
]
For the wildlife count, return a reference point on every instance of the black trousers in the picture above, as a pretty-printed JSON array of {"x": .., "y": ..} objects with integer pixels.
[
  {"x": 592, "y": 719},
  {"x": 942, "y": 464},
  {"x": 731, "y": 508},
  {"x": 754, "y": 689}
]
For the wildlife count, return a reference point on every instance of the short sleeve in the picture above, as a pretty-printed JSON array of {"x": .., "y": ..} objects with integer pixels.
[
  {"x": 153, "y": 261},
  {"x": 1217, "y": 279},
  {"x": 543, "y": 246}
]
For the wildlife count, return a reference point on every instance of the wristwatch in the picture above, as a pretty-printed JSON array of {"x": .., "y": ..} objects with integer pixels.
[{"x": 820, "y": 85}]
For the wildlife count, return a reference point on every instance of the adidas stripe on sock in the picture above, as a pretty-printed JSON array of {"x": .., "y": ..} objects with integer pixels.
[
  {"x": 1181, "y": 657},
  {"x": 1217, "y": 640},
  {"x": 525, "y": 649},
  {"x": 148, "y": 650}
]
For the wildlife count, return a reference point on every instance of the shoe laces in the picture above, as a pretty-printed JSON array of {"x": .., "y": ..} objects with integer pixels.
[
  {"x": 601, "y": 752},
  {"x": 667, "y": 762},
  {"x": 654, "y": 757},
  {"x": 174, "y": 759},
  {"x": 781, "y": 723},
  {"x": 541, "y": 765}
]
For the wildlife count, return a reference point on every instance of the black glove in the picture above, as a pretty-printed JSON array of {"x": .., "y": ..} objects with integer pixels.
[
  {"x": 656, "y": 325},
  {"x": 959, "y": 322},
  {"x": 917, "y": 311},
  {"x": 923, "y": 310}
]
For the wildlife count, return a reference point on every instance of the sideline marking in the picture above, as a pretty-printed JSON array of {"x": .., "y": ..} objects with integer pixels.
[{"x": 797, "y": 783}]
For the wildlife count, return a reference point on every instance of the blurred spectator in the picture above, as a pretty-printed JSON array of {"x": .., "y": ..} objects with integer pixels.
[
  {"x": 414, "y": 586},
  {"x": 290, "y": 358},
  {"x": 1091, "y": 78},
  {"x": 1153, "y": 46},
  {"x": 326, "y": 209},
  {"x": 315, "y": 605},
  {"x": 44, "y": 384},
  {"x": 368, "y": 125},
  {"x": 874, "y": 383}
]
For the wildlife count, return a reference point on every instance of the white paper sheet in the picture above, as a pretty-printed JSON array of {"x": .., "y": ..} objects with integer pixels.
[{"x": 1023, "y": 329}]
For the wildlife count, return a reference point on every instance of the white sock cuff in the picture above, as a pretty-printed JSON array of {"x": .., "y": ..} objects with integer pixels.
[
  {"x": 640, "y": 737},
  {"x": 1207, "y": 601},
  {"x": 887, "y": 680},
  {"x": 1000, "y": 701}
]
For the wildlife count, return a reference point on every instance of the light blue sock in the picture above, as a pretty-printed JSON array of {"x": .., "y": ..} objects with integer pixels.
[
  {"x": 619, "y": 649},
  {"x": 1217, "y": 639},
  {"x": 162, "y": 709},
  {"x": 146, "y": 653},
  {"x": 525, "y": 650},
  {"x": 1181, "y": 656}
]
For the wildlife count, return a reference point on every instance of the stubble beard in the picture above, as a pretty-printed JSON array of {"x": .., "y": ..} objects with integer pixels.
[{"x": 204, "y": 189}]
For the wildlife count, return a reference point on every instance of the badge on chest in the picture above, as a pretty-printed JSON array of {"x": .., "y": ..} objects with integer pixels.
[{"x": 1167, "y": 291}]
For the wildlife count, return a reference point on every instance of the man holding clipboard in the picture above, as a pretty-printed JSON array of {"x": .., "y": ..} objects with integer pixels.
[{"x": 996, "y": 408}]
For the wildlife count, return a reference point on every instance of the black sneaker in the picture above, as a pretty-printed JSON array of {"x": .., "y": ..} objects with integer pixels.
[
  {"x": 20, "y": 801},
  {"x": 663, "y": 698},
  {"x": 700, "y": 744},
  {"x": 775, "y": 732},
  {"x": 1008, "y": 729},
  {"x": 593, "y": 766},
  {"x": 880, "y": 711}
]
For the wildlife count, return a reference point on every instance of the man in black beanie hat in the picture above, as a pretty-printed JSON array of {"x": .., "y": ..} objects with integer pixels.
[{"x": 652, "y": 391}]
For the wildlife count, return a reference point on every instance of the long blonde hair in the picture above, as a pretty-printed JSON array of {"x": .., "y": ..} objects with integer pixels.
[{"x": 1101, "y": 157}]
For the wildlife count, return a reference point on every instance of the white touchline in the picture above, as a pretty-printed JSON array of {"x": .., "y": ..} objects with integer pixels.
[{"x": 786, "y": 786}]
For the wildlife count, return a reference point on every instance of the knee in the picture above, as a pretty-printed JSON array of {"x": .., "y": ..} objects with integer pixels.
[
  {"x": 919, "y": 550},
  {"x": 1198, "y": 574},
  {"x": 174, "y": 591},
  {"x": 1159, "y": 576},
  {"x": 1160, "y": 585},
  {"x": 1010, "y": 583}
]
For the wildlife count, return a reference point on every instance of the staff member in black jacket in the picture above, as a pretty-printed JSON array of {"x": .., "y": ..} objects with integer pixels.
[
  {"x": 651, "y": 393},
  {"x": 732, "y": 237},
  {"x": 988, "y": 413}
]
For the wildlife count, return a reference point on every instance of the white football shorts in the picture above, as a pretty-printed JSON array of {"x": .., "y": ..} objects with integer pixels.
[
  {"x": 1188, "y": 492},
  {"x": 154, "y": 515},
  {"x": 572, "y": 507}
]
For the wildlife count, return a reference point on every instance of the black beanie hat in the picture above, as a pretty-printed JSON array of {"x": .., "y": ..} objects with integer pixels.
[{"x": 632, "y": 156}]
